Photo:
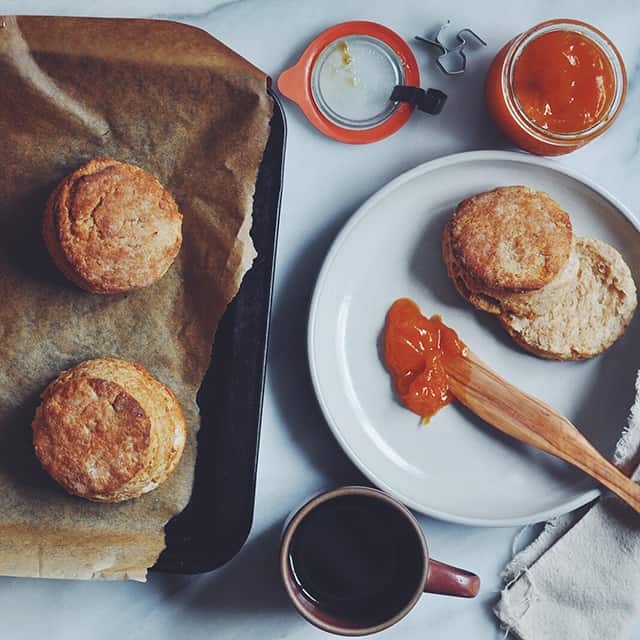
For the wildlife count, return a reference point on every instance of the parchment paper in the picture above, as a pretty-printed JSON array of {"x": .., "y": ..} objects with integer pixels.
[{"x": 178, "y": 103}]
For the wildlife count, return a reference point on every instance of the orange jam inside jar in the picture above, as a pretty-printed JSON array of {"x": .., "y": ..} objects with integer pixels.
[
  {"x": 415, "y": 352},
  {"x": 556, "y": 87}
]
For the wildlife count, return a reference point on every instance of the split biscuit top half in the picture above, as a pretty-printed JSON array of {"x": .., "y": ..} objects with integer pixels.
[
  {"x": 511, "y": 252},
  {"x": 511, "y": 239}
]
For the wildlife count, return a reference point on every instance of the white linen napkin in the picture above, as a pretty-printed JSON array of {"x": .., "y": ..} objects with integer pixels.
[{"x": 580, "y": 579}]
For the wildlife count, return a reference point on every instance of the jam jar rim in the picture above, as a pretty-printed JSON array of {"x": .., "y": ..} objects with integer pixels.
[{"x": 600, "y": 40}]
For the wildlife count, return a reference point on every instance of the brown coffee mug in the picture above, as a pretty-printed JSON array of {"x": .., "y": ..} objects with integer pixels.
[{"x": 354, "y": 561}]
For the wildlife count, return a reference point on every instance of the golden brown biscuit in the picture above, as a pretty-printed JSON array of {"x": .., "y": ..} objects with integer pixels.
[
  {"x": 510, "y": 239},
  {"x": 91, "y": 436},
  {"x": 108, "y": 431},
  {"x": 589, "y": 317},
  {"x": 112, "y": 227}
]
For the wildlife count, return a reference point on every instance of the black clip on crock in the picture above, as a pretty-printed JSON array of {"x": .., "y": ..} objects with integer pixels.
[{"x": 430, "y": 101}]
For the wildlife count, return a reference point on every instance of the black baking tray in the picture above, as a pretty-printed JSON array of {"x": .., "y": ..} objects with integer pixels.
[{"x": 216, "y": 522}]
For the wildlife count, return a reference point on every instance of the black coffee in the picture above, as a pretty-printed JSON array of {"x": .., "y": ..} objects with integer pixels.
[{"x": 358, "y": 557}]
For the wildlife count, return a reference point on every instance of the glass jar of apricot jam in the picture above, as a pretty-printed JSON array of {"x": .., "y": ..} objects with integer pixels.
[{"x": 556, "y": 87}]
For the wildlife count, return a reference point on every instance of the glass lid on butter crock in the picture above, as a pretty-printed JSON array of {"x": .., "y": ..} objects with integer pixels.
[
  {"x": 344, "y": 80},
  {"x": 352, "y": 79}
]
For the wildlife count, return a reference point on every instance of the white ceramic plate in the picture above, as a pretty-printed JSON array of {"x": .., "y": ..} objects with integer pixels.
[{"x": 458, "y": 468}]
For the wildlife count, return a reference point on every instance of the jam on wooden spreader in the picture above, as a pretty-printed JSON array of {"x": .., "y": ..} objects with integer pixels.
[{"x": 429, "y": 364}]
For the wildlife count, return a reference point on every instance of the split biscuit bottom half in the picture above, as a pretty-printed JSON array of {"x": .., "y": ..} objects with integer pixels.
[
  {"x": 107, "y": 431},
  {"x": 585, "y": 319}
]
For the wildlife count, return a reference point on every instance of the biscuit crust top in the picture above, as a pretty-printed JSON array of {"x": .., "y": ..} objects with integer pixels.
[
  {"x": 117, "y": 227},
  {"x": 511, "y": 239},
  {"x": 91, "y": 435}
]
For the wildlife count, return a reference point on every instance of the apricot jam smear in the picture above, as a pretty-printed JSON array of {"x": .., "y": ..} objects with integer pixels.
[{"x": 415, "y": 352}]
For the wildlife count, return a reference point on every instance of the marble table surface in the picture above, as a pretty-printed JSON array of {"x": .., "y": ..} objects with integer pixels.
[{"x": 324, "y": 183}]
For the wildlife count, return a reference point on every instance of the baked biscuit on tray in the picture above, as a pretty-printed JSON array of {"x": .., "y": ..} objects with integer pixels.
[
  {"x": 108, "y": 431},
  {"x": 111, "y": 227}
]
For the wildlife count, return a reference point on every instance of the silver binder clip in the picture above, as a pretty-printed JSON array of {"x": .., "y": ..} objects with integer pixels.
[{"x": 456, "y": 52}]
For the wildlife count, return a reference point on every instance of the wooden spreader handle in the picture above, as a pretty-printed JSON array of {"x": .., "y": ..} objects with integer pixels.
[{"x": 529, "y": 420}]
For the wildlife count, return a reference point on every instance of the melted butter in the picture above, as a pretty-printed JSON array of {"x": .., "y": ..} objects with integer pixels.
[
  {"x": 343, "y": 47},
  {"x": 344, "y": 67}
]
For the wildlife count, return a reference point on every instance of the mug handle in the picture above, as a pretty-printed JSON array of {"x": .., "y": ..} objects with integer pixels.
[{"x": 451, "y": 581}]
